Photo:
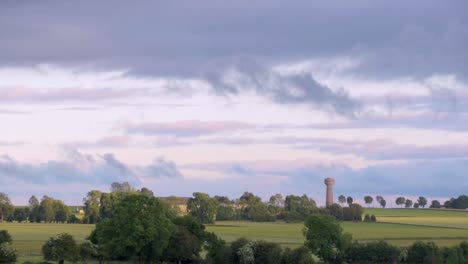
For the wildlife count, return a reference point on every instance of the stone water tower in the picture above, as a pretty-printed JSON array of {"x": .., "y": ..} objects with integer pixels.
[{"x": 329, "y": 182}]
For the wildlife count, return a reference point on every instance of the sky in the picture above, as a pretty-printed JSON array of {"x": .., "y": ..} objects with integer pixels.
[{"x": 224, "y": 97}]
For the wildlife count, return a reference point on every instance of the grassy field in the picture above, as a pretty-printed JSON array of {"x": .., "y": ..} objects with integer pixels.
[{"x": 397, "y": 226}]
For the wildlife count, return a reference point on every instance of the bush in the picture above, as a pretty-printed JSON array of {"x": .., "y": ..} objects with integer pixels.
[
  {"x": 7, "y": 254},
  {"x": 375, "y": 252},
  {"x": 373, "y": 218},
  {"x": 300, "y": 255},
  {"x": 5, "y": 237},
  {"x": 336, "y": 210},
  {"x": 353, "y": 213},
  {"x": 421, "y": 252},
  {"x": 60, "y": 248}
]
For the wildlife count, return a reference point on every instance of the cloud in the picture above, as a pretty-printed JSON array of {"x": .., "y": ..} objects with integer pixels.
[
  {"x": 243, "y": 75},
  {"x": 105, "y": 142},
  {"x": 77, "y": 167},
  {"x": 189, "y": 128},
  {"x": 11, "y": 143}
]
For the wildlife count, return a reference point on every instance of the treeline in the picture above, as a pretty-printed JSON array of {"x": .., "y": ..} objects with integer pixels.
[{"x": 47, "y": 209}]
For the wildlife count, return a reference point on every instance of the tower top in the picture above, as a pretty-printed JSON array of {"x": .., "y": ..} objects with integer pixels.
[{"x": 329, "y": 181}]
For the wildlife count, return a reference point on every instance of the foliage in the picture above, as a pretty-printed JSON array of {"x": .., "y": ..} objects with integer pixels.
[
  {"x": 341, "y": 199},
  {"x": 87, "y": 251},
  {"x": 408, "y": 203},
  {"x": 374, "y": 252},
  {"x": 298, "y": 208},
  {"x": 421, "y": 252},
  {"x": 349, "y": 200},
  {"x": 301, "y": 255},
  {"x": 337, "y": 211},
  {"x": 400, "y": 200},
  {"x": 422, "y": 201},
  {"x": 139, "y": 229},
  {"x": 325, "y": 238},
  {"x": 202, "y": 207},
  {"x": 7, "y": 253},
  {"x": 60, "y": 248},
  {"x": 353, "y": 212},
  {"x": 368, "y": 199},
  {"x": 435, "y": 204},
  {"x": 457, "y": 203},
  {"x": 5, "y": 237},
  {"x": 6, "y": 207}
]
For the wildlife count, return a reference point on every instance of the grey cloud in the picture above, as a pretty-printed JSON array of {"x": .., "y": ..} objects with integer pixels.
[
  {"x": 240, "y": 74},
  {"x": 105, "y": 142},
  {"x": 417, "y": 37},
  {"x": 11, "y": 143},
  {"x": 162, "y": 168}
]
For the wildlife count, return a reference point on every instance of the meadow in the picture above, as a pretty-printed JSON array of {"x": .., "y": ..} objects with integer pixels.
[{"x": 397, "y": 226}]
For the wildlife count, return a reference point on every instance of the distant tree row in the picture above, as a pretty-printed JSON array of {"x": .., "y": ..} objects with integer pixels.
[
  {"x": 367, "y": 199},
  {"x": 46, "y": 210},
  {"x": 457, "y": 203}
]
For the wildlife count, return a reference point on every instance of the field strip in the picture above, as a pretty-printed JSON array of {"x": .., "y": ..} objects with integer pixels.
[{"x": 423, "y": 225}]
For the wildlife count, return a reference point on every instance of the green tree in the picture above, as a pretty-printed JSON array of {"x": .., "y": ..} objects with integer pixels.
[
  {"x": 341, "y": 199},
  {"x": 435, "y": 204},
  {"x": 47, "y": 209},
  {"x": 61, "y": 248},
  {"x": 408, "y": 203},
  {"x": 6, "y": 207},
  {"x": 7, "y": 253},
  {"x": 325, "y": 238},
  {"x": 62, "y": 212},
  {"x": 21, "y": 214},
  {"x": 337, "y": 211},
  {"x": 34, "y": 215},
  {"x": 368, "y": 199},
  {"x": 186, "y": 241},
  {"x": 421, "y": 252},
  {"x": 422, "y": 201},
  {"x": 301, "y": 255},
  {"x": 375, "y": 252},
  {"x": 92, "y": 206},
  {"x": 349, "y": 200},
  {"x": 383, "y": 203},
  {"x": 416, "y": 205},
  {"x": 400, "y": 201},
  {"x": 139, "y": 230},
  {"x": 124, "y": 187},
  {"x": 202, "y": 207},
  {"x": 87, "y": 251},
  {"x": 298, "y": 208},
  {"x": 5, "y": 237}
]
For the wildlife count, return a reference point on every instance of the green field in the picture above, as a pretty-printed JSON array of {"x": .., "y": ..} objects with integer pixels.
[{"x": 397, "y": 226}]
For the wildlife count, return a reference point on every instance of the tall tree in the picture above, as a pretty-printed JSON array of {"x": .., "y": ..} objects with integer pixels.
[
  {"x": 6, "y": 207},
  {"x": 435, "y": 204},
  {"x": 202, "y": 207},
  {"x": 368, "y": 199},
  {"x": 92, "y": 206},
  {"x": 383, "y": 203},
  {"x": 422, "y": 201},
  {"x": 349, "y": 200},
  {"x": 400, "y": 201}
]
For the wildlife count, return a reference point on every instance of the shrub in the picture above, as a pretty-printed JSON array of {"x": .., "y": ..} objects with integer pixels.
[
  {"x": 300, "y": 255},
  {"x": 7, "y": 254},
  {"x": 375, "y": 252},
  {"x": 421, "y": 252},
  {"x": 5, "y": 237},
  {"x": 60, "y": 248}
]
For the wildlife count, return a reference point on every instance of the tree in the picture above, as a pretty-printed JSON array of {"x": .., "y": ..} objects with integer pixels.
[
  {"x": 421, "y": 252},
  {"x": 337, "y": 211},
  {"x": 416, "y": 205},
  {"x": 21, "y": 214},
  {"x": 353, "y": 213},
  {"x": 6, "y": 207},
  {"x": 61, "y": 248},
  {"x": 124, "y": 187},
  {"x": 400, "y": 201},
  {"x": 92, "y": 206},
  {"x": 277, "y": 200},
  {"x": 349, "y": 200},
  {"x": 373, "y": 252},
  {"x": 325, "y": 238},
  {"x": 341, "y": 199},
  {"x": 408, "y": 203},
  {"x": 34, "y": 215},
  {"x": 379, "y": 198},
  {"x": 368, "y": 199},
  {"x": 457, "y": 203},
  {"x": 202, "y": 207},
  {"x": 7, "y": 253},
  {"x": 185, "y": 243},
  {"x": 5, "y": 237},
  {"x": 301, "y": 255},
  {"x": 422, "y": 201},
  {"x": 87, "y": 251},
  {"x": 33, "y": 201},
  {"x": 298, "y": 208},
  {"x": 383, "y": 203},
  {"x": 139, "y": 230},
  {"x": 435, "y": 204},
  {"x": 147, "y": 192}
]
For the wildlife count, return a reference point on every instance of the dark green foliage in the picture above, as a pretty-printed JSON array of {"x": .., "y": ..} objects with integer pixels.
[
  {"x": 139, "y": 230},
  {"x": 186, "y": 241},
  {"x": 422, "y": 201},
  {"x": 72, "y": 219},
  {"x": 7, "y": 253},
  {"x": 375, "y": 252},
  {"x": 457, "y": 203},
  {"x": 373, "y": 218},
  {"x": 300, "y": 255},
  {"x": 353, "y": 213},
  {"x": 21, "y": 214},
  {"x": 87, "y": 251},
  {"x": 422, "y": 253},
  {"x": 5, "y": 237},
  {"x": 298, "y": 208},
  {"x": 435, "y": 204},
  {"x": 368, "y": 199},
  {"x": 217, "y": 252},
  {"x": 400, "y": 200},
  {"x": 325, "y": 238},
  {"x": 408, "y": 203},
  {"x": 337, "y": 211},
  {"x": 202, "y": 207},
  {"x": 266, "y": 252},
  {"x": 259, "y": 213},
  {"x": 61, "y": 248},
  {"x": 349, "y": 200},
  {"x": 226, "y": 212}
]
